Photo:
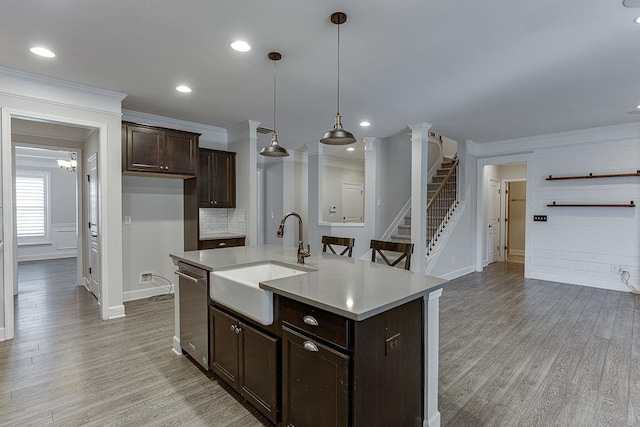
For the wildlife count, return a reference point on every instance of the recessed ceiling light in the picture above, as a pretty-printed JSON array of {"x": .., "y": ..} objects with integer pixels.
[
  {"x": 42, "y": 51},
  {"x": 183, "y": 89},
  {"x": 350, "y": 149},
  {"x": 365, "y": 123},
  {"x": 637, "y": 20},
  {"x": 240, "y": 46}
]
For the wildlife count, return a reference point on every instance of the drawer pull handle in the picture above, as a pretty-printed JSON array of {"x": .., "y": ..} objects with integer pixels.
[
  {"x": 193, "y": 347},
  {"x": 222, "y": 244},
  {"x": 310, "y": 320},
  {"x": 309, "y": 346}
]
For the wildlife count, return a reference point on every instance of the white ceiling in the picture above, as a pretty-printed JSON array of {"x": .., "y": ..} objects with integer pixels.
[{"x": 480, "y": 70}]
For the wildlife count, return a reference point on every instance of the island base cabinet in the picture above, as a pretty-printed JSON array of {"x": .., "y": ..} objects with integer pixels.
[
  {"x": 315, "y": 383},
  {"x": 247, "y": 360}
]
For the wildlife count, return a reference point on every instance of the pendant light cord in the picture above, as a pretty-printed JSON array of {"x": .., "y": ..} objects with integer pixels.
[
  {"x": 274, "y": 96},
  {"x": 338, "y": 96}
]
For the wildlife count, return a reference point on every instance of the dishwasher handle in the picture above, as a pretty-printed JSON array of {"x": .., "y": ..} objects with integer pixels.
[{"x": 197, "y": 280}]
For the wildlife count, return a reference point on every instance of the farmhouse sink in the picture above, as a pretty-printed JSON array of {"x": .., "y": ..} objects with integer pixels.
[{"x": 237, "y": 287}]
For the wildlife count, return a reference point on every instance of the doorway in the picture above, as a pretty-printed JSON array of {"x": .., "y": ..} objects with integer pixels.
[
  {"x": 49, "y": 201},
  {"x": 352, "y": 202},
  {"x": 499, "y": 215}
]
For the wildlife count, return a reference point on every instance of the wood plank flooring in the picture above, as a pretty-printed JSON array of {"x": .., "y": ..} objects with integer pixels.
[
  {"x": 67, "y": 367},
  {"x": 512, "y": 352},
  {"x": 516, "y": 352}
]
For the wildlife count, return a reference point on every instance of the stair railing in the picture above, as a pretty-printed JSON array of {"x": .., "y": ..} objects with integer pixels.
[{"x": 439, "y": 208}]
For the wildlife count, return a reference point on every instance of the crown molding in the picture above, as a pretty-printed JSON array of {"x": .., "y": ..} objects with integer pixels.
[
  {"x": 554, "y": 140},
  {"x": 61, "y": 92},
  {"x": 208, "y": 133},
  {"x": 243, "y": 131}
]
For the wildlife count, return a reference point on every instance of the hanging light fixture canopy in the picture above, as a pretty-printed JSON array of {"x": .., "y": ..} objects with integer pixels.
[
  {"x": 337, "y": 135},
  {"x": 274, "y": 149}
]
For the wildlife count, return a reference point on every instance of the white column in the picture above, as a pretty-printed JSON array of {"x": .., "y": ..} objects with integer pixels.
[
  {"x": 290, "y": 238},
  {"x": 243, "y": 140},
  {"x": 431, "y": 347},
  {"x": 419, "y": 156},
  {"x": 370, "y": 185},
  {"x": 314, "y": 195}
]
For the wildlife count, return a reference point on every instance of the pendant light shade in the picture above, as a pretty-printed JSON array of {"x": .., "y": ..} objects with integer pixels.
[
  {"x": 274, "y": 149},
  {"x": 337, "y": 135}
]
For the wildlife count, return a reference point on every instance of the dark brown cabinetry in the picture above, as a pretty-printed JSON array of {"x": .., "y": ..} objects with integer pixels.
[
  {"x": 247, "y": 359},
  {"x": 220, "y": 243},
  {"x": 315, "y": 382},
  {"x": 216, "y": 179},
  {"x": 159, "y": 151},
  {"x": 339, "y": 372}
]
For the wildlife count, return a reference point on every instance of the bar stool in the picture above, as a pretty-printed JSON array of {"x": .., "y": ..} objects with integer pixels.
[
  {"x": 348, "y": 242},
  {"x": 405, "y": 250}
]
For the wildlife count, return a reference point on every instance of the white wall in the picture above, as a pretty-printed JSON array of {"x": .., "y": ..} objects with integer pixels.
[
  {"x": 155, "y": 206},
  {"x": 395, "y": 176},
  {"x": 579, "y": 245},
  {"x": 273, "y": 197},
  {"x": 336, "y": 171},
  {"x": 242, "y": 140}
]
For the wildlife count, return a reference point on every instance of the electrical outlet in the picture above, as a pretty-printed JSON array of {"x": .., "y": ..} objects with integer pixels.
[
  {"x": 540, "y": 218},
  {"x": 146, "y": 277},
  {"x": 392, "y": 344}
]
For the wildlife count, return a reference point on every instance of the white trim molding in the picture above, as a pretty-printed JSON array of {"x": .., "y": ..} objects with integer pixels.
[
  {"x": 145, "y": 293},
  {"x": 116, "y": 312},
  {"x": 33, "y": 86},
  {"x": 207, "y": 132}
]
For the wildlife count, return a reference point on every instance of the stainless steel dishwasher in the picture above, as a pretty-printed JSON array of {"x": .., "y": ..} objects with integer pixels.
[{"x": 194, "y": 320}]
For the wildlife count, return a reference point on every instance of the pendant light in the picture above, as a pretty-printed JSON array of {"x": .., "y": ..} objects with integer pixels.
[
  {"x": 274, "y": 149},
  {"x": 337, "y": 135}
]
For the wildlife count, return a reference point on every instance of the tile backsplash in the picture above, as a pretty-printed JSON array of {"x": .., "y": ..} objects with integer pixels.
[{"x": 216, "y": 221}]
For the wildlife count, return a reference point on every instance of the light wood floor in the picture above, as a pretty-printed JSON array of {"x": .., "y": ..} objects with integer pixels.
[
  {"x": 67, "y": 367},
  {"x": 530, "y": 352},
  {"x": 512, "y": 352}
]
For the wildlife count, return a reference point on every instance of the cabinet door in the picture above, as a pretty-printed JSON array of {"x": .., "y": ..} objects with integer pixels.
[
  {"x": 224, "y": 179},
  {"x": 180, "y": 153},
  {"x": 205, "y": 173},
  {"x": 259, "y": 371},
  {"x": 315, "y": 383},
  {"x": 225, "y": 332},
  {"x": 144, "y": 149}
]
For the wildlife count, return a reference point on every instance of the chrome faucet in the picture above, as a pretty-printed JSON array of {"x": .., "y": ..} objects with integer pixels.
[{"x": 302, "y": 252}]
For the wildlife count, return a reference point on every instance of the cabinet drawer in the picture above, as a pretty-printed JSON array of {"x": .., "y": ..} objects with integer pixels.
[
  {"x": 319, "y": 323},
  {"x": 221, "y": 243}
]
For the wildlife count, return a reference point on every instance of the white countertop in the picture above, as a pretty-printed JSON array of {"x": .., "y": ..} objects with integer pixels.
[{"x": 349, "y": 287}]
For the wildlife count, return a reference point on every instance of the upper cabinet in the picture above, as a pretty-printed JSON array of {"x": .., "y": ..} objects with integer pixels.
[
  {"x": 158, "y": 151},
  {"x": 216, "y": 179}
]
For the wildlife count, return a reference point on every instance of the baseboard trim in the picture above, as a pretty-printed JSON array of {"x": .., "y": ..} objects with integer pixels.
[
  {"x": 43, "y": 257},
  {"x": 458, "y": 273},
  {"x": 116, "y": 312},
  {"x": 176, "y": 346},
  {"x": 433, "y": 421},
  {"x": 143, "y": 293},
  {"x": 2, "y": 335},
  {"x": 580, "y": 281},
  {"x": 517, "y": 252},
  {"x": 85, "y": 283}
]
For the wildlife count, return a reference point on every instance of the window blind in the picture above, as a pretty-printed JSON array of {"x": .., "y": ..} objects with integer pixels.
[{"x": 31, "y": 206}]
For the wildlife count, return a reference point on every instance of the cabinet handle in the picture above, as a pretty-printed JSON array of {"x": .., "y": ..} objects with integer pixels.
[
  {"x": 233, "y": 328},
  {"x": 238, "y": 329},
  {"x": 222, "y": 244},
  {"x": 310, "y": 320},
  {"x": 211, "y": 202},
  {"x": 309, "y": 346},
  {"x": 193, "y": 347},
  {"x": 215, "y": 202}
]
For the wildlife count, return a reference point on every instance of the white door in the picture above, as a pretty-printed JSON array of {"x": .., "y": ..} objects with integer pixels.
[
  {"x": 352, "y": 202},
  {"x": 494, "y": 221},
  {"x": 94, "y": 247}
]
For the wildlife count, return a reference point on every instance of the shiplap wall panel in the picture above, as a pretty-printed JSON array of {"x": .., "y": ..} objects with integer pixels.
[{"x": 578, "y": 245}]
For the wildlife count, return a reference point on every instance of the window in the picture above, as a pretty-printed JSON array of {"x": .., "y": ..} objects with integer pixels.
[{"x": 32, "y": 209}]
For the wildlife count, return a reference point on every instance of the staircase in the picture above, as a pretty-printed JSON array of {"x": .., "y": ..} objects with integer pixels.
[{"x": 443, "y": 200}]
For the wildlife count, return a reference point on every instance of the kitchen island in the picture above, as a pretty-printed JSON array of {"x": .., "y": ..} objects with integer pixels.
[{"x": 368, "y": 329}]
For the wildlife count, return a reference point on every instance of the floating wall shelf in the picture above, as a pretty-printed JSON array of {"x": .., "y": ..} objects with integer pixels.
[
  {"x": 592, "y": 176},
  {"x": 578, "y": 205}
]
